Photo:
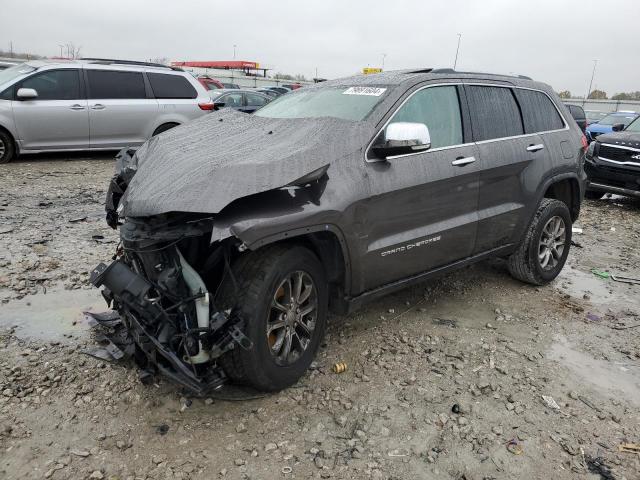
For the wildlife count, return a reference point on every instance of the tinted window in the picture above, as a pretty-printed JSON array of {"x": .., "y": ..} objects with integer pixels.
[
  {"x": 233, "y": 100},
  {"x": 439, "y": 109},
  {"x": 7, "y": 94},
  {"x": 112, "y": 84},
  {"x": 494, "y": 113},
  {"x": 538, "y": 111},
  {"x": 55, "y": 84},
  {"x": 254, "y": 100},
  {"x": 171, "y": 86}
]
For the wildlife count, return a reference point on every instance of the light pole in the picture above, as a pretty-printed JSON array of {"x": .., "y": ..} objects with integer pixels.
[
  {"x": 593, "y": 73},
  {"x": 383, "y": 57},
  {"x": 455, "y": 62},
  {"x": 61, "y": 46},
  {"x": 234, "y": 52}
]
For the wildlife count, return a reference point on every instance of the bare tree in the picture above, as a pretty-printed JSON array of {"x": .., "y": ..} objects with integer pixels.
[{"x": 72, "y": 50}]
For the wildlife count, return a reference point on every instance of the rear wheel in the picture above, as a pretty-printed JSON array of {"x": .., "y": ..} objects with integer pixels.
[
  {"x": 282, "y": 297},
  {"x": 545, "y": 247},
  {"x": 7, "y": 147}
]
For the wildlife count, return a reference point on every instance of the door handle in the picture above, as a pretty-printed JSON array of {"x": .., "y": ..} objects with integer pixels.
[
  {"x": 76, "y": 107},
  {"x": 462, "y": 161},
  {"x": 535, "y": 148},
  {"x": 98, "y": 106}
]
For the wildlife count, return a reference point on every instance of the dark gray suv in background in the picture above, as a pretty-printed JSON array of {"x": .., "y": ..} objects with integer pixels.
[{"x": 240, "y": 232}]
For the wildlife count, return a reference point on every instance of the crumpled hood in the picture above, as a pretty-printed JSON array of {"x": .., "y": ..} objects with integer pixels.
[
  {"x": 206, "y": 164},
  {"x": 628, "y": 139}
]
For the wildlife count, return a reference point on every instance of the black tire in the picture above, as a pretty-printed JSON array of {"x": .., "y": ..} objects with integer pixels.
[
  {"x": 163, "y": 128},
  {"x": 593, "y": 195},
  {"x": 258, "y": 276},
  {"x": 7, "y": 147},
  {"x": 524, "y": 264}
]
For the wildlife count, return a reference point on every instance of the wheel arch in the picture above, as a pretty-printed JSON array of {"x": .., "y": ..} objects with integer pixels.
[
  {"x": 565, "y": 188},
  {"x": 327, "y": 242}
]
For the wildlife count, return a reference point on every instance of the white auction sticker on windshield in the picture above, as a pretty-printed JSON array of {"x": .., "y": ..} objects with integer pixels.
[{"x": 373, "y": 91}]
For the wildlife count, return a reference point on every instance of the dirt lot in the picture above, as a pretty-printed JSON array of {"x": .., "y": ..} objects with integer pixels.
[{"x": 444, "y": 380}]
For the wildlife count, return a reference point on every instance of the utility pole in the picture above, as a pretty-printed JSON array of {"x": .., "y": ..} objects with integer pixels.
[
  {"x": 383, "y": 55},
  {"x": 234, "y": 51},
  {"x": 455, "y": 62},
  {"x": 61, "y": 46},
  {"x": 11, "y": 48},
  {"x": 593, "y": 73}
]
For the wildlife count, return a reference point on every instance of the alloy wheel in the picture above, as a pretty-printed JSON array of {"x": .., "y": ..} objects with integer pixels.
[
  {"x": 292, "y": 317},
  {"x": 552, "y": 243}
]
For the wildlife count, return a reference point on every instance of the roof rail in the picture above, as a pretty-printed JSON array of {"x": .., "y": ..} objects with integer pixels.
[
  {"x": 111, "y": 61},
  {"x": 451, "y": 70}
]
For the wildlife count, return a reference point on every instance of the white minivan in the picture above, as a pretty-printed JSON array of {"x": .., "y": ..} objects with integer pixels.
[{"x": 92, "y": 104}]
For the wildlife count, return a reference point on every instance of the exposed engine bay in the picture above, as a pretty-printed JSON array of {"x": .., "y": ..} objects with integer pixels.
[{"x": 168, "y": 316}]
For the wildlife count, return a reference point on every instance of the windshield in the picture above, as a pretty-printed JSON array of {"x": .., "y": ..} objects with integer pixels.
[
  {"x": 633, "y": 126},
  {"x": 615, "y": 119},
  {"x": 595, "y": 115},
  {"x": 14, "y": 72},
  {"x": 347, "y": 103}
]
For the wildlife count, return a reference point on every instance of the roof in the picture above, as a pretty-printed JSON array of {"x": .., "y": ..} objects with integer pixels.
[{"x": 397, "y": 77}]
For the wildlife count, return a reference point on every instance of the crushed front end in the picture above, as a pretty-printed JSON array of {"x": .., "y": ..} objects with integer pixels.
[{"x": 162, "y": 283}]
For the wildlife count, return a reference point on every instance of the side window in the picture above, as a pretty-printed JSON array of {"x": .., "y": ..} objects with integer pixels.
[
  {"x": 171, "y": 86},
  {"x": 54, "y": 84},
  {"x": 439, "y": 109},
  {"x": 538, "y": 111},
  {"x": 494, "y": 113},
  {"x": 254, "y": 100},
  {"x": 233, "y": 100},
  {"x": 109, "y": 84}
]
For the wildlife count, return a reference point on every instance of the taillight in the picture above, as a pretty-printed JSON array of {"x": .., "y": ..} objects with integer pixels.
[
  {"x": 585, "y": 144},
  {"x": 207, "y": 106}
]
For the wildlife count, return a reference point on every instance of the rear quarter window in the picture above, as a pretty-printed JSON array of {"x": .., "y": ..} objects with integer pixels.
[
  {"x": 171, "y": 86},
  {"x": 538, "y": 111},
  {"x": 494, "y": 112}
]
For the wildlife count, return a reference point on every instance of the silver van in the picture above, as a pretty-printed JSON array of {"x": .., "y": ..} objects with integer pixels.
[{"x": 92, "y": 104}]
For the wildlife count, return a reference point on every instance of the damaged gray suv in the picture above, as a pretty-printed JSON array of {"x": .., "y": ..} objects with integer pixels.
[{"x": 240, "y": 233}]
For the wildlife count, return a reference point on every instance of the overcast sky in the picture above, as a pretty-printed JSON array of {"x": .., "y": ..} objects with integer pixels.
[{"x": 554, "y": 41}]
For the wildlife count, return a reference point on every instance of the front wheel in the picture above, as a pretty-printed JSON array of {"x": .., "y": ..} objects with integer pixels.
[
  {"x": 545, "y": 247},
  {"x": 7, "y": 147},
  {"x": 281, "y": 295}
]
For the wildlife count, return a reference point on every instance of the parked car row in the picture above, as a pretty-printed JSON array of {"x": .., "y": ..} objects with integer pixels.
[{"x": 103, "y": 104}]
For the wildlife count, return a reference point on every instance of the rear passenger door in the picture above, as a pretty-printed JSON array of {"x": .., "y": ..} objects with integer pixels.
[
  {"x": 175, "y": 95},
  {"x": 511, "y": 158},
  {"x": 422, "y": 211},
  {"x": 121, "y": 110}
]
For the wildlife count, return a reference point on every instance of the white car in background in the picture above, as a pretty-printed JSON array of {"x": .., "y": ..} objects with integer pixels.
[{"x": 92, "y": 104}]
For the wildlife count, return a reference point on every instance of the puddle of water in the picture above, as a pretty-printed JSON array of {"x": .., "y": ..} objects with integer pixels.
[
  {"x": 53, "y": 316},
  {"x": 610, "y": 377},
  {"x": 601, "y": 291}
]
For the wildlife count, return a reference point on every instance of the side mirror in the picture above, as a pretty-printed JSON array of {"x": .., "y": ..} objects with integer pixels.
[
  {"x": 218, "y": 105},
  {"x": 618, "y": 127},
  {"x": 401, "y": 138},
  {"x": 27, "y": 93}
]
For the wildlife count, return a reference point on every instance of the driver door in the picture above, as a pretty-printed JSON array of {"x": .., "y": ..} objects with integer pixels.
[
  {"x": 58, "y": 117},
  {"x": 423, "y": 210}
]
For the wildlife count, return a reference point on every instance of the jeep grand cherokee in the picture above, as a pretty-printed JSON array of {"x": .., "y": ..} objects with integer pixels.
[{"x": 239, "y": 233}]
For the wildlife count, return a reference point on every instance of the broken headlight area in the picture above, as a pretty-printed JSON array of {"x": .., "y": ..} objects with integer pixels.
[{"x": 160, "y": 283}]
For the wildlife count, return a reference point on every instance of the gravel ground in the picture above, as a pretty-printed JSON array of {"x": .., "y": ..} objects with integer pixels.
[{"x": 444, "y": 380}]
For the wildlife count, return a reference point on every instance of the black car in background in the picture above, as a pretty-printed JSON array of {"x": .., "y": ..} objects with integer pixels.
[
  {"x": 579, "y": 116},
  {"x": 247, "y": 101},
  {"x": 613, "y": 163}
]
